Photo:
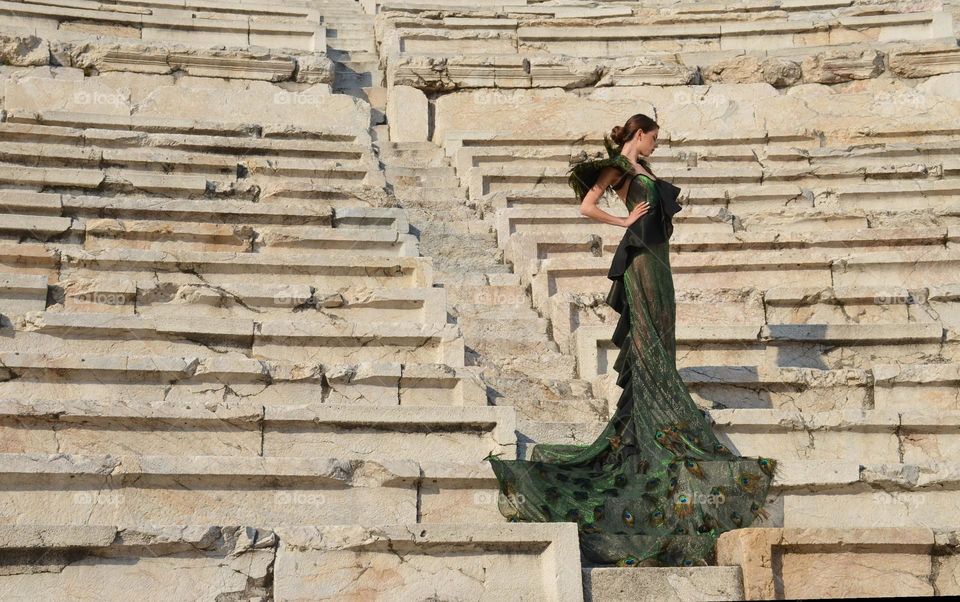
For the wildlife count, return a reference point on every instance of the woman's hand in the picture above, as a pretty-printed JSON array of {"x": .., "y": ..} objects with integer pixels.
[{"x": 639, "y": 211}]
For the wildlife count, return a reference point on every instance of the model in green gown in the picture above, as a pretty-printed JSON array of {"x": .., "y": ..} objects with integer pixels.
[{"x": 656, "y": 487}]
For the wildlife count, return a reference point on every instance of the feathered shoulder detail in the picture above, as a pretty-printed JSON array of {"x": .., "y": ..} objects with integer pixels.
[{"x": 584, "y": 174}]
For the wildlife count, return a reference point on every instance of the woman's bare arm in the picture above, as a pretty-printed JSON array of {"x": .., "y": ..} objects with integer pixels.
[{"x": 589, "y": 208}]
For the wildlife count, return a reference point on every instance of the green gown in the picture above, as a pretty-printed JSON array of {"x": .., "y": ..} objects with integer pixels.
[{"x": 656, "y": 487}]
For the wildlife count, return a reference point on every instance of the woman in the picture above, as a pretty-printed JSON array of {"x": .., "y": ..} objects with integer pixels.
[{"x": 657, "y": 487}]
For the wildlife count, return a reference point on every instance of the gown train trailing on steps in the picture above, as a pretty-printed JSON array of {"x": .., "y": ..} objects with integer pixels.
[{"x": 656, "y": 487}]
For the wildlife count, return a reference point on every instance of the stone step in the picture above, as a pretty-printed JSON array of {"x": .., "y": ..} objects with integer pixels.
[
  {"x": 485, "y": 311},
  {"x": 166, "y": 295},
  {"x": 269, "y": 491},
  {"x": 248, "y": 429},
  {"x": 97, "y": 234},
  {"x": 527, "y": 239},
  {"x": 442, "y": 194},
  {"x": 756, "y": 307},
  {"x": 877, "y": 562},
  {"x": 397, "y": 172},
  {"x": 285, "y": 564},
  {"x": 171, "y": 25},
  {"x": 809, "y": 494},
  {"x": 826, "y": 346},
  {"x": 330, "y": 211},
  {"x": 673, "y": 584},
  {"x": 185, "y": 379},
  {"x": 933, "y": 266},
  {"x": 353, "y": 44},
  {"x": 490, "y": 330},
  {"x": 536, "y": 395},
  {"x": 140, "y": 134},
  {"x": 737, "y": 180},
  {"x": 333, "y": 340},
  {"x": 414, "y": 158},
  {"x": 916, "y": 437},
  {"x": 771, "y": 32},
  {"x": 220, "y": 268}
]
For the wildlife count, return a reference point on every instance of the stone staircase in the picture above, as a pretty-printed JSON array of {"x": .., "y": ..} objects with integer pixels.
[{"x": 276, "y": 276}]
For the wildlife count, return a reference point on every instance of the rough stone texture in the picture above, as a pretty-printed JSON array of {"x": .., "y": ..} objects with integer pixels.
[
  {"x": 824, "y": 563},
  {"x": 302, "y": 267},
  {"x": 408, "y": 114}
]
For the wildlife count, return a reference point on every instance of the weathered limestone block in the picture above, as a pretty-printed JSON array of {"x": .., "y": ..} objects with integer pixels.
[
  {"x": 407, "y": 114},
  {"x": 189, "y": 97},
  {"x": 495, "y": 562},
  {"x": 674, "y": 584},
  {"x": 432, "y": 73},
  {"x": 899, "y": 386},
  {"x": 56, "y": 562},
  {"x": 821, "y": 563},
  {"x": 23, "y": 50},
  {"x": 20, "y": 293}
]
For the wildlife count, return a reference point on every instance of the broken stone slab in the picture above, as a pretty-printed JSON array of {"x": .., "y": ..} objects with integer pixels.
[
  {"x": 446, "y": 73},
  {"x": 23, "y": 50},
  {"x": 231, "y": 63},
  {"x": 108, "y": 561}
]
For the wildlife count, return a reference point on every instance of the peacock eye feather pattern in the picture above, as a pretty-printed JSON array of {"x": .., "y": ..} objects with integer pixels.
[
  {"x": 683, "y": 505},
  {"x": 750, "y": 482},
  {"x": 694, "y": 468},
  {"x": 768, "y": 466}
]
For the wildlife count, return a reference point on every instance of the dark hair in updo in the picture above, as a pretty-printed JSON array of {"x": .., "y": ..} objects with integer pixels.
[{"x": 621, "y": 133}]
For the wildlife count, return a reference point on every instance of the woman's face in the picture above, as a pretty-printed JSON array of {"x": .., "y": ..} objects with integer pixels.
[{"x": 647, "y": 142}]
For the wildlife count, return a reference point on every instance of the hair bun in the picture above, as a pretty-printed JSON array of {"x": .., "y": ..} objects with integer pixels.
[{"x": 615, "y": 134}]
